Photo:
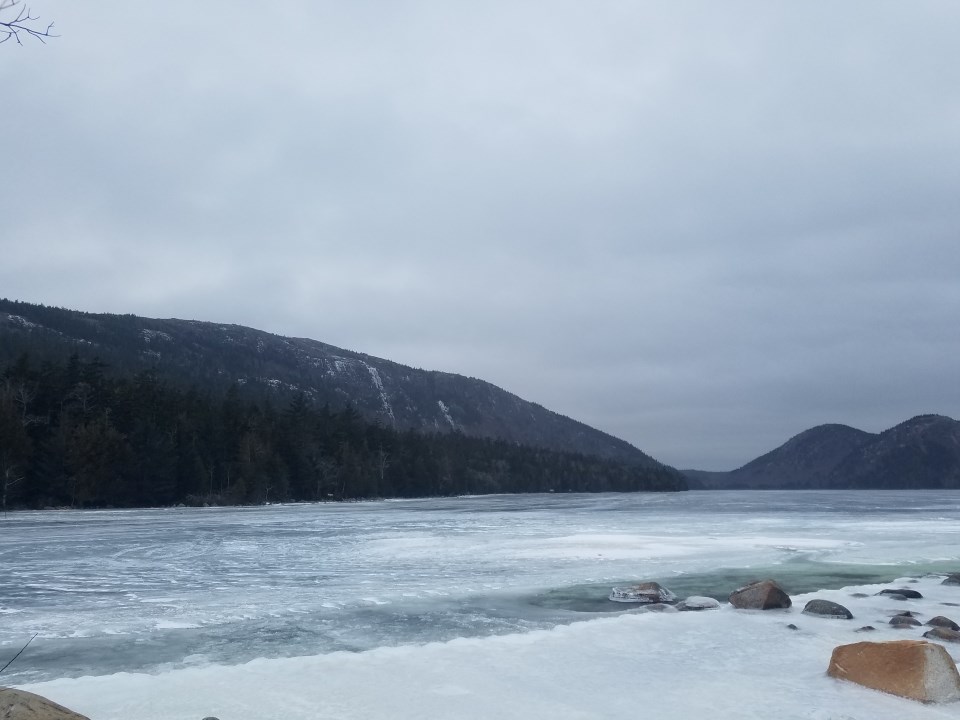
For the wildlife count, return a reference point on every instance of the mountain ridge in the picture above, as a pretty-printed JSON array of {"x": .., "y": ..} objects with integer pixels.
[
  {"x": 922, "y": 452},
  {"x": 381, "y": 390}
]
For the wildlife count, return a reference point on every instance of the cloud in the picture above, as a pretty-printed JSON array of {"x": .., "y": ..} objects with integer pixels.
[{"x": 703, "y": 228}]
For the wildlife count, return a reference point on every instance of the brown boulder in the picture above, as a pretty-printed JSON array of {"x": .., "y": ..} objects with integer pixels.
[
  {"x": 763, "y": 595},
  {"x": 913, "y": 669},
  {"x": 21, "y": 705}
]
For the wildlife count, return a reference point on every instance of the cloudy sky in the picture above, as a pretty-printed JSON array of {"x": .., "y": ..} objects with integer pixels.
[{"x": 700, "y": 226}]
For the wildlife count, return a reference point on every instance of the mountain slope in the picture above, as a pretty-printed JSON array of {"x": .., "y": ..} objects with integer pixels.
[
  {"x": 805, "y": 460},
  {"x": 923, "y": 452},
  {"x": 219, "y": 356}
]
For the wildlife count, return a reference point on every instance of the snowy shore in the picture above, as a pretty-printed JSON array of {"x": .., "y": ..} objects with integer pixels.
[{"x": 720, "y": 664}]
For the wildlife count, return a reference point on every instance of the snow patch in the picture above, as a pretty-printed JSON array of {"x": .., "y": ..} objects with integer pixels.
[
  {"x": 446, "y": 413},
  {"x": 151, "y": 335},
  {"x": 21, "y": 321},
  {"x": 378, "y": 384}
]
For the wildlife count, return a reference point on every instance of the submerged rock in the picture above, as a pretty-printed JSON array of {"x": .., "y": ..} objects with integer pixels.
[
  {"x": 942, "y": 622},
  {"x": 952, "y": 579},
  {"x": 647, "y": 592},
  {"x": 913, "y": 669},
  {"x": 791, "y": 626},
  {"x": 696, "y": 603},
  {"x": 22, "y": 705},
  {"x": 865, "y": 628},
  {"x": 658, "y": 607},
  {"x": 762, "y": 595},
  {"x": 942, "y": 633},
  {"x": 827, "y": 608},
  {"x": 907, "y": 593}
]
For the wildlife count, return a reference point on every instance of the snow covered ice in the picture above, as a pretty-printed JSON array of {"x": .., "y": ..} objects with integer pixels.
[{"x": 467, "y": 607}]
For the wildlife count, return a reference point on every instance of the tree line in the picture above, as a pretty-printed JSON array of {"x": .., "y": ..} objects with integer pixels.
[{"x": 74, "y": 434}]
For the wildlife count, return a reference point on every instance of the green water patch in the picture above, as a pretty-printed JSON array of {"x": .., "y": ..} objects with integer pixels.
[{"x": 796, "y": 576}]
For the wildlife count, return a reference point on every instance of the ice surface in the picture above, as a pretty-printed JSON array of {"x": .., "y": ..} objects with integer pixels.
[
  {"x": 721, "y": 664},
  {"x": 465, "y": 607}
]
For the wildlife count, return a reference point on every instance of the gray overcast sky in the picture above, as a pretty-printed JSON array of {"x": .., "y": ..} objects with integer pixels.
[{"x": 700, "y": 226}]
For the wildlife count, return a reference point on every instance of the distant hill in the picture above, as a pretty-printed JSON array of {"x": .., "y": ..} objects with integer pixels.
[
  {"x": 217, "y": 356},
  {"x": 923, "y": 452}
]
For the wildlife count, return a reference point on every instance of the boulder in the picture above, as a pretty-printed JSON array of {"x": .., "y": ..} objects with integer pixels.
[
  {"x": 903, "y": 621},
  {"x": 914, "y": 669},
  {"x": 952, "y": 579},
  {"x": 942, "y": 622},
  {"x": 941, "y": 633},
  {"x": 647, "y": 592},
  {"x": 697, "y": 603},
  {"x": 762, "y": 595},
  {"x": 905, "y": 592},
  {"x": 22, "y": 705},
  {"x": 826, "y": 608}
]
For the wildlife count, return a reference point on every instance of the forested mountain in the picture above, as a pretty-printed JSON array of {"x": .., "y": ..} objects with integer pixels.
[
  {"x": 80, "y": 431},
  {"x": 189, "y": 353},
  {"x": 923, "y": 452}
]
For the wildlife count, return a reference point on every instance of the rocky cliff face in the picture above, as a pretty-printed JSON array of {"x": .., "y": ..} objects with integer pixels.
[
  {"x": 218, "y": 356},
  {"x": 923, "y": 452}
]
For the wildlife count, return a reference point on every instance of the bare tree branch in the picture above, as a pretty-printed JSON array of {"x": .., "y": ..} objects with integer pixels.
[{"x": 22, "y": 22}]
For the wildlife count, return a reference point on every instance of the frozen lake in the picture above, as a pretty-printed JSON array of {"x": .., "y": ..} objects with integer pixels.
[{"x": 198, "y": 598}]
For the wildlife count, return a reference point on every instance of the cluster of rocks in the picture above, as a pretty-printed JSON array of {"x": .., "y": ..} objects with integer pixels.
[
  {"x": 914, "y": 669},
  {"x": 654, "y": 597}
]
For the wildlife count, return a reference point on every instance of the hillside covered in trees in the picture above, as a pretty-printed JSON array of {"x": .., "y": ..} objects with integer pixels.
[
  {"x": 214, "y": 356},
  {"x": 77, "y": 434}
]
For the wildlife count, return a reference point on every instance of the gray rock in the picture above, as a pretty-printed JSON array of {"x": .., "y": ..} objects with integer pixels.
[
  {"x": 827, "y": 608},
  {"x": 952, "y": 579},
  {"x": 940, "y": 633},
  {"x": 762, "y": 595},
  {"x": 944, "y": 622},
  {"x": 901, "y": 621},
  {"x": 791, "y": 626},
  {"x": 906, "y": 592},
  {"x": 865, "y": 628},
  {"x": 696, "y": 603}
]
